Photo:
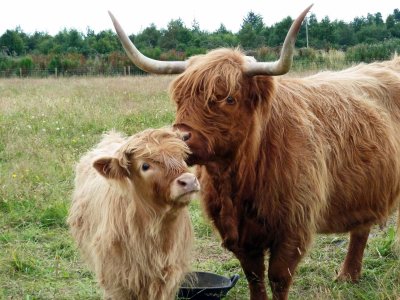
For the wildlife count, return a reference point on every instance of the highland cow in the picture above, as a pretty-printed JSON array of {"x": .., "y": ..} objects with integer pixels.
[{"x": 281, "y": 159}]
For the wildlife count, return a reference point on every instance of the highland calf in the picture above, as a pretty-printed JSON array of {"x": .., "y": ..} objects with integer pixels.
[
  {"x": 280, "y": 158},
  {"x": 129, "y": 214}
]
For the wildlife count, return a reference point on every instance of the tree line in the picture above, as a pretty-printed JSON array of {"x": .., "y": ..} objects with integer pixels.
[{"x": 363, "y": 39}]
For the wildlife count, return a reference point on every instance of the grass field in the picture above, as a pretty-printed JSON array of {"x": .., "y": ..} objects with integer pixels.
[{"x": 47, "y": 124}]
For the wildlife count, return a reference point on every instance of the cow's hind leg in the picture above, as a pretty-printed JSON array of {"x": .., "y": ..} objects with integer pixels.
[{"x": 351, "y": 268}]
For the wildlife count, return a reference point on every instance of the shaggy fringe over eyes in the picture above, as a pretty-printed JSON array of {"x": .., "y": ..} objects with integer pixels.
[
  {"x": 219, "y": 74},
  {"x": 205, "y": 82},
  {"x": 161, "y": 146}
]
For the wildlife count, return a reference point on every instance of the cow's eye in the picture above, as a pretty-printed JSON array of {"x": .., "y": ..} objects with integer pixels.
[
  {"x": 230, "y": 100},
  {"x": 145, "y": 167}
]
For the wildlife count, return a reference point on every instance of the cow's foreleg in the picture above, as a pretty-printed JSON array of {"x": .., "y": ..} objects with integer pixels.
[
  {"x": 117, "y": 293},
  {"x": 282, "y": 265},
  {"x": 351, "y": 268},
  {"x": 253, "y": 266}
]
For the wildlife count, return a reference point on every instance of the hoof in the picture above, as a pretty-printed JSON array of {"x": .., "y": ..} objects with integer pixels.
[{"x": 347, "y": 277}]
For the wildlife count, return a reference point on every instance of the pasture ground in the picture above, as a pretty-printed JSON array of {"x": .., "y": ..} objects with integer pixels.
[{"x": 47, "y": 124}]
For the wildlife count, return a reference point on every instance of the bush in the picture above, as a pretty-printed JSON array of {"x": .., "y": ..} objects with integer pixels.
[
  {"x": 26, "y": 63},
  {"x": 267, "y": 54},
  {"x": 190, "y": 51},
  {"x": 6, "y": 62},
  {"x": 173, "y": 55},
  {"x": 372, "y": 52},
  {"x": 67, "y": 63},
  {"x": 152, "y": 52},
  {"x": 55, "y": 62},
  {"x": 306, "y": 54}
]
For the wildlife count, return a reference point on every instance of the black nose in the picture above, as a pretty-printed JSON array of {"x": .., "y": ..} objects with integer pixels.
[{"x": 186, "y": 136}]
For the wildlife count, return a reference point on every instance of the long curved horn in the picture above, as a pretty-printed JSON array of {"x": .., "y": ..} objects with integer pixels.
[
  {"x": 284, "y": 63},
  {"x": 146, "y": 64}
]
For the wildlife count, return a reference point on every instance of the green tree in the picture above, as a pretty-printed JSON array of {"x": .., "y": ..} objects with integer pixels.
[
  {"x": 176, "y": 37},
  {"x": 221, "y": 38},
  {"x": 396, "y": 15},
  {"x": 106, "y": 41},
  {"x": 393, "y": 25},
  {"x": 358, "y": 23},
  {"x": 198, "y": 37},
  {"x": 149, "y": 37},
  {"x": 34, "y": 40},
  {"x": 370, "y": 19},
  {"x": 75, "y": 41},
  {"x": 279, "y": 32},
  {"x": 68, "y": 41},
  {"x": 222, "y": 30},
  {"x": 250, "y": 34},
  {"x": 378, "y": 19},
  {"x": 372, "y": 34},
  {"x": 390, "y": 22},
  {"x": 12, "y": 42},
  {"x": 344, "y": 34},
  {"x": 327, "y": 32},
  {"x": 46, "y": 45},
  {"x": 196, "y": 26}
]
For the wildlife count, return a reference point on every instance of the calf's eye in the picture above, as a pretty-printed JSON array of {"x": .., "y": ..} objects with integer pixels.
[{"x": 145, "y": 167}]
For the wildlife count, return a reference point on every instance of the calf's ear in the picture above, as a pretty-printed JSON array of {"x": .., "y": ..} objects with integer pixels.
[{"x": 110, "y": 168}]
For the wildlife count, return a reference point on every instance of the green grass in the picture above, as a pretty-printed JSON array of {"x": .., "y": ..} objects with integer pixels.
[{"x": 47, "y": 124}]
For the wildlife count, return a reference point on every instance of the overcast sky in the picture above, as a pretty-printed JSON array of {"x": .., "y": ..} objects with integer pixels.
[{"x": 134, "y": 15}]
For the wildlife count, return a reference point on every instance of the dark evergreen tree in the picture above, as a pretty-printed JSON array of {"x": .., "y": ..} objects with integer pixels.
[
  {"x": 149, "y": 37},
  {"x": 175, "y": 37},
  {"x": 250, "y": 34},
  {"x": 279, "y": 31},
  {"x": 13, "y": 42}
]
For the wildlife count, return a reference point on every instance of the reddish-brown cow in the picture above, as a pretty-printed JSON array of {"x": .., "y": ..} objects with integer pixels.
[{"x": 280, "y": 159}]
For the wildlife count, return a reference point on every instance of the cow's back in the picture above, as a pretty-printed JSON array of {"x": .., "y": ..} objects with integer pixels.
[{"x": 347, "y": 128}]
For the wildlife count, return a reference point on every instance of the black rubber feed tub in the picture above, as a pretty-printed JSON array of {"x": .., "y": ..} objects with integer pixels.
[{"x": 206, "y": 286}]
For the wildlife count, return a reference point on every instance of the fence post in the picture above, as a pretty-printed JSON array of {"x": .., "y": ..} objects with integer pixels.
[
  {"x": 55, "y": 72},
  {"x": 129, "y": 70},
  {"x": 20, "y": 72},
  {"x": 124, "y": 71}
]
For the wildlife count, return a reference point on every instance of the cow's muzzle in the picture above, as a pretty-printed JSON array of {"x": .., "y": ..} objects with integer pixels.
[
  {"x": 184, "y": 187},
  {"x": 196, "y": 142}
]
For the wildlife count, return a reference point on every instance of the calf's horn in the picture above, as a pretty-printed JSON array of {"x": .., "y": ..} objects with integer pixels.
[
  {"x": 283, "y": 64},
  {"x": 146, "y": 64}
]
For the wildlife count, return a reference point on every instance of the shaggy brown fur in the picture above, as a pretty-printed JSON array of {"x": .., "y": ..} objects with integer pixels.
[
  {"x": 129, "y": 214},
  {"x": 281, "y": 159}
]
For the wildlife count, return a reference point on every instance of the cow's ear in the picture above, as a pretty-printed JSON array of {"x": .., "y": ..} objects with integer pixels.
[
  {"x": 263, "y": 88},
  {"x": 110, "y": 168}
]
